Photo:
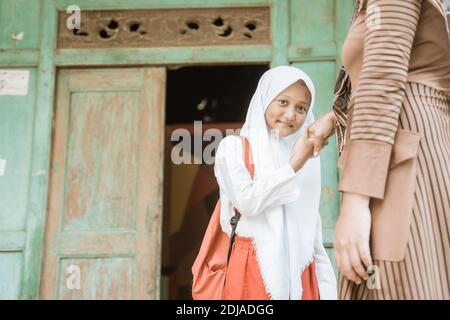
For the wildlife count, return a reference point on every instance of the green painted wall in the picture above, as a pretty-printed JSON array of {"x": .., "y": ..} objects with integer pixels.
[{"x": 306, "y": 33}]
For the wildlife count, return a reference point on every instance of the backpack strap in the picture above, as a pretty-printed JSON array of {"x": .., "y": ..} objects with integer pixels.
[
  {"x": 248, "y": 160},
  {"x": 248, "y": 157}
]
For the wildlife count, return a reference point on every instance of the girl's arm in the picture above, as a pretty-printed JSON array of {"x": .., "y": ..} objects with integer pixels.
[{"x": 251, "y": 196}]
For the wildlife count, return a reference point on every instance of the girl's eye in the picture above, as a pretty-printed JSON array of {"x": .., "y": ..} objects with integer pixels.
[
  {"x": 301, "y": 109},
  {"x": 283, "y": 102}
]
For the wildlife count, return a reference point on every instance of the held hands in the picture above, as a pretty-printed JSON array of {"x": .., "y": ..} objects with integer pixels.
[
  {"x": 312, "y": 140},
  {"x": 321, "y": 130},
  {"x": 351, "y": 237},
  {"x": 302, "y": 150},
  {"x": 352, "y": 234}
]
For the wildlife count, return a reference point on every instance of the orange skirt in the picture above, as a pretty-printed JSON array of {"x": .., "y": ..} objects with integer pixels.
[{"x": 244, "y": 281}]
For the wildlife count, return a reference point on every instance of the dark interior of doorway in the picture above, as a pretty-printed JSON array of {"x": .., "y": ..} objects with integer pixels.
[
  {"x": 210, "y": 93},
  {"x": 219, "y": 97}
]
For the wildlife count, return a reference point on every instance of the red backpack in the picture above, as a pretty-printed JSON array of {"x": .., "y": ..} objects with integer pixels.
[{"x": 210, "y": 266}]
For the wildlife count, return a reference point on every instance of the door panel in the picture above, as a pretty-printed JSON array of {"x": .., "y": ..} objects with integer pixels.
[
  {"x": 104, "y": 213},
  {"x": 101, "y": 161},
  {"x": 10, "y": 274},
  {"x": 16, "y": 140}
]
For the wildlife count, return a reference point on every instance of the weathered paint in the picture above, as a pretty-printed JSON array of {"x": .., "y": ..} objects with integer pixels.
[
  {"x": 37, "y": 197},
  {"x": 16, "y": 136},
  {"x": 18, "y": 16},
  {"x": 106, "y": 203},
  {"x": 158, "y": 56},
  {"x": 280, "y": 32},
  {"x": 307, "y": 33},
  {"x": 158, "y": 4}
]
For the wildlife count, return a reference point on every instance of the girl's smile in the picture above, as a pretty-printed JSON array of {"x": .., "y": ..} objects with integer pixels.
[{"x": 287, "y": 112}]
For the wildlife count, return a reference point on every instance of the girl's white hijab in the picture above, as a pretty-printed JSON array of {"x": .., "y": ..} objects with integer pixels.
[{"x": 284, "y": 236}]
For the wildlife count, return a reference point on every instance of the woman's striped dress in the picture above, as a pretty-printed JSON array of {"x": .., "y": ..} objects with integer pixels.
[{"x": 385, "y": 100}]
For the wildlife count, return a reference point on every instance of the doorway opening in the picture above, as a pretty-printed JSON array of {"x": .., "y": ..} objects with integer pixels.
[{"x": 218, "y": 96}]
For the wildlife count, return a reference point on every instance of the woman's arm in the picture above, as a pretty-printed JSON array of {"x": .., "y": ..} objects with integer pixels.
[
  {"x": 251, "y": 196},
  {"x": 377, "y": 102}
]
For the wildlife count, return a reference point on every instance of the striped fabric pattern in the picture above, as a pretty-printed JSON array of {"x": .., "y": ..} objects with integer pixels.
[
  {"x": 341, "y": 97},
  {"x": 425, "y": 272},
  {"x": 388, "y": 42}
]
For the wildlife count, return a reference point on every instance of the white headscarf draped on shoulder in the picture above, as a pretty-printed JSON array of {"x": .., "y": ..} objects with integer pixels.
[{"x": 283, "y": 236}]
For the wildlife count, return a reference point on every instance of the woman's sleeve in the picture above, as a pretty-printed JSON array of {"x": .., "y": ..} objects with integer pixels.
[
  {"x": 251, "y": 196},
  {"x": 391, "y": 27}
]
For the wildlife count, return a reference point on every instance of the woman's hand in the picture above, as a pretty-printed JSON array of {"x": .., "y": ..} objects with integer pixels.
[
  {"x": 301, "y": 150},
  {"x": 351, "y": 238},
  {"x": 321, "y": 130}
]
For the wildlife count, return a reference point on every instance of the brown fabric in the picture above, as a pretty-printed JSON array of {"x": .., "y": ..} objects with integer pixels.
[
  {"x": 410, "y": 225},
  {"x": 391, "y": 216},
  {"x": 420, "y": 68},
  {"x": 424, "y": 272},
  {"x": 430, "y": 56},
  {"x": 429, "y": 61},
  {"x": 377, "y": 60},
  {"x": 365, "y": 168},
  {"x": 341, "y": 98}
]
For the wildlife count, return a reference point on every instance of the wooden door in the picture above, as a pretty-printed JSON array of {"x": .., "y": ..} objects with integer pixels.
[
  {"x": 16, "y": 136},
  {"x": 103, "y": 224}
]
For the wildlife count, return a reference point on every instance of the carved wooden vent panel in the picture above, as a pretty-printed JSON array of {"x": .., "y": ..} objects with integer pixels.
[{"x": 166, "y": 28}]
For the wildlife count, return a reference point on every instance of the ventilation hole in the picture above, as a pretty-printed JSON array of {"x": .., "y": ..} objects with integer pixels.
[
  {"x": 104, "y": 34},
  {"x": 78, "y": 33},
  {"x": 134, "y": 27},
  {"x": 192, "y": 25},
  {"x": 113, "y": 24},
  {"x": 250, "y": 26},
  {"x": 248, "y": 35},
  {"x": 183, "y": 31},
  {"x": 218, "y": 22},
  {"x": 227, "y": 32}
]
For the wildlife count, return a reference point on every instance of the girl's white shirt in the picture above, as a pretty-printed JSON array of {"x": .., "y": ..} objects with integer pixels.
[
  {"x": 252, "y": 197},
  {"x": 280, "y": 208}
]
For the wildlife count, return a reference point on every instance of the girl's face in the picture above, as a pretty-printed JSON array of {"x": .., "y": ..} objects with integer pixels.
[{"x": 287, "y": 112}]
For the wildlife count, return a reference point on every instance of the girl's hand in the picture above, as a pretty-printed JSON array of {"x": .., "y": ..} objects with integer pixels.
[
  {"x": 351, "y": 238},
  {"x": 301, "y": 150},
  {"x": 321, "y": 130}
]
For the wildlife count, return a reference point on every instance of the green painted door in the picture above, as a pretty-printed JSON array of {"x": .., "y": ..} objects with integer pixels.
[
  {"x": 16, "y": 122},
  {"x": 317, "y": 32},
  {"x": 102, "y": 234}
]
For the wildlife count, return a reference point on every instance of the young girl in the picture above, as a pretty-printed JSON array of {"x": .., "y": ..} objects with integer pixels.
[{"x": 278, "y": 251}]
